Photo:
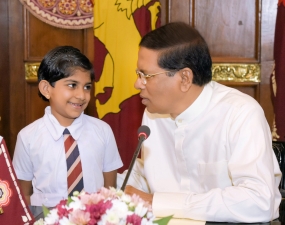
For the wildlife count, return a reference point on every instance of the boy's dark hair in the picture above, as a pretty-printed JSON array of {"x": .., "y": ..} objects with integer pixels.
[
  {"x": 181, "y": 46},
  {"x": 60, "y": 62}
]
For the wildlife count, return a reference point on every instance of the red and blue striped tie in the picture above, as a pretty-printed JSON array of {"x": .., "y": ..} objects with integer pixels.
[{"x": 73, "y": 162}]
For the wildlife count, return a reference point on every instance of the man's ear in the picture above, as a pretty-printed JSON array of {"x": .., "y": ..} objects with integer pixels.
[
  {"x": 186, "y": 79},
  {"x": 44, "y": 88}
]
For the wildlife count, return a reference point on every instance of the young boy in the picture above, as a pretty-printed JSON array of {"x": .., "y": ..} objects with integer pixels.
[{"x": 65, "y": 78}]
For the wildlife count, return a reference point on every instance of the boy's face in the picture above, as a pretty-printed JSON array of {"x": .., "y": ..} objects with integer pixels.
[{"x": 70, "y": 96}]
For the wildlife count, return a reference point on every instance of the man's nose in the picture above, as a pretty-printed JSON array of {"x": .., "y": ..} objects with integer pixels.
[{"x": 138, "y": 84}]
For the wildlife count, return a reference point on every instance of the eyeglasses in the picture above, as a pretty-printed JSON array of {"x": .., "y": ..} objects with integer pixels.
[{"x": 144, "y": 77}]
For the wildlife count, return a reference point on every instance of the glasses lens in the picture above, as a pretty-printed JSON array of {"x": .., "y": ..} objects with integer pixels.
[{"x": 141, "y": 76}]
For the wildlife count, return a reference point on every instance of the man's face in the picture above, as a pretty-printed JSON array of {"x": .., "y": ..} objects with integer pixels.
[{"x": 161, "y": 93}]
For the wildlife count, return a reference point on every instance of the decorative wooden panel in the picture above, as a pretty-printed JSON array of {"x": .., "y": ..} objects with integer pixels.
[
  {"x": 231, "y": 29},
  {"x": 41, "y": 37}
]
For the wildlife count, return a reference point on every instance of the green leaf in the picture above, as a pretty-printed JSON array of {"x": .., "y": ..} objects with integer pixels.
[
  {"x": 45, "y": 211},
  {"x": 163, "y": 221},
  {"x": 69, "y": 200}
]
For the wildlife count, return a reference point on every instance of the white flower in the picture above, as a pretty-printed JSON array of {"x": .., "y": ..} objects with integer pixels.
[
  {"x": 76, "y": 204},
  {"x": 131, "y": 204},
  {"x": 140, "y": 210},
  {"x": 113, "y": 218},
  {"x": 65, "y": 221},
  {"x": 118, "y": 192},
  {"x": 147, "y": 222},
  {"x": 109, "y": 206},
  {"x": 126, "y": 198},
  {"x": 120, "y": 208},
  {"x": 52, "y": 217}
]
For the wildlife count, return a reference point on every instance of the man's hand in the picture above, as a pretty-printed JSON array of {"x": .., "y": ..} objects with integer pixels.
[{"x": 130, "y": 190}]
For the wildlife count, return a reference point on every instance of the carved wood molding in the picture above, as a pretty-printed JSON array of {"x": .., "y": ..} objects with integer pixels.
[
  {"x": 31, "y": 70},
  {"x": 221, "y": 72},
  {"x": 236, "y": 72}
]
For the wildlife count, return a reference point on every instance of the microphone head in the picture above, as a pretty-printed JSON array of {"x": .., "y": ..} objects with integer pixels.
[{"x": 143, "y": 131}]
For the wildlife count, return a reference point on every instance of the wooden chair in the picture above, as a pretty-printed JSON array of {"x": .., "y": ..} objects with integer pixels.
[{"x": 279, "y": 150}]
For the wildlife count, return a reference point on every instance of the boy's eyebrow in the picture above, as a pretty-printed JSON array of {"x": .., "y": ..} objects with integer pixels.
[
  {"x": 75, "y": 81},
  {"x": 68, "y": 80}
]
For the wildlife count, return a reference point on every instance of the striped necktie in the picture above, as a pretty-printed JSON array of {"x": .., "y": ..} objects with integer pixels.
[{"x": 73, "y": 162}]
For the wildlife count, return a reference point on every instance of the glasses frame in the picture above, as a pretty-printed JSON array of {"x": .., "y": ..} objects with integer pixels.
[{"x": 143, "y": 77}]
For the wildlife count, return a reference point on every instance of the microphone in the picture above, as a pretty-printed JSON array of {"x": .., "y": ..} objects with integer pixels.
[{"x": 143, "y": 133}]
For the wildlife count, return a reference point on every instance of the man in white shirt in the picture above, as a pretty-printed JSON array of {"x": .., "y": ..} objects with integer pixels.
[{"x": 209, "y": 155}]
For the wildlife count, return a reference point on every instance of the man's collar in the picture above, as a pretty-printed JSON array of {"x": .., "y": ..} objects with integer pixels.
[{"x": 197, "y": 107}]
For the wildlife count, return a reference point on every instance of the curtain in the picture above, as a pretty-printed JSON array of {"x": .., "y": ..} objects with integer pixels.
[{"x": 278, "y": 75}]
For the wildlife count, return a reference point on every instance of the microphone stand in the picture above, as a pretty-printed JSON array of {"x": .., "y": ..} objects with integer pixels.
[{"x": 141, "y": 139}]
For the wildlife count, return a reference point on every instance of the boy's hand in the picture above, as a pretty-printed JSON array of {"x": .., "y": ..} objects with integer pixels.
[
  {"x": 27, "y": 189},
  {"x": 130, "y": 190}
]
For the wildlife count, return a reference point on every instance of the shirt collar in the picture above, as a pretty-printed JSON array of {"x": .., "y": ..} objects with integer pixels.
[
  {"x": 56, "y": 130},
  {"x": 197, "y": 107}
]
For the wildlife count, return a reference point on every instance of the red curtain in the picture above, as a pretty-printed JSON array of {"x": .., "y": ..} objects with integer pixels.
[{"x": 278, "y": 76}]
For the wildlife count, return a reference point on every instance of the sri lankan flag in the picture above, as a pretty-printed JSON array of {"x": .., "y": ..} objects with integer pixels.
[
  {"x": 118, "y": 28},
  {"x": 278, "y": 76},
  {"x": 13, "y": 207}
]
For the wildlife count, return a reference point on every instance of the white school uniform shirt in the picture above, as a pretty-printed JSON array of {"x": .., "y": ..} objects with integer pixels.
[
  {"x": 40, "y": 156},
  {"x": 213, "y": 162}
]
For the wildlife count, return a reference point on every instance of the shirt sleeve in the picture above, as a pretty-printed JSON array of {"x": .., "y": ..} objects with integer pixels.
[
  {"x": 21, "y": 160},
  {"x": 255, "y": 175},
  {"x": 137, "y": 178}
]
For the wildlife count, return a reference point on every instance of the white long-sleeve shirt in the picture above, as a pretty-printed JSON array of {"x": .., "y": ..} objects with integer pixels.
[{"x": 213, "y": 162}]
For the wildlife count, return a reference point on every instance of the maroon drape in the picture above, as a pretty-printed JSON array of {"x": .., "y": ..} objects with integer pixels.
[{"x": 279, "y": 56}]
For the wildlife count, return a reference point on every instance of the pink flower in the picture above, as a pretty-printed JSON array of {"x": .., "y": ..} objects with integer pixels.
[
  {"x": 136, "y": 200},
  {"x": 108, "y": 193},
  {"x": 97, "y": 210},
  {"x": 91, "y": 199},
  {"x": 134, "y": 219},
  {"x": 80, "y": 217},
  {"x": 62, "y": 211},
  {"x": 105, "y": 207}
]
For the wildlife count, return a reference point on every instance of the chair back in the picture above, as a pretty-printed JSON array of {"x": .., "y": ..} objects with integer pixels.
[{"x": 279, "y": 150}]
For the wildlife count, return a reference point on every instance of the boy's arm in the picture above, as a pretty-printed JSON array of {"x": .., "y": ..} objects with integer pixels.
[
  {"x": 110, "y": 179},
  {"x": 27, "y": 189}
]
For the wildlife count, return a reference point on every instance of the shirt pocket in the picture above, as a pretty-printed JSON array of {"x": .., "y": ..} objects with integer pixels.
[{"x": 214, "y": 175}]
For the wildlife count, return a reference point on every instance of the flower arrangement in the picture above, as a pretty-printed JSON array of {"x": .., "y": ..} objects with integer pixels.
[{"x": 106, "y": 207}]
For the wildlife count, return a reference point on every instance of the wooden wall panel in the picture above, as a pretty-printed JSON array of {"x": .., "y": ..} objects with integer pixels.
[
  {"x": 41, "y": 37},
  {"x": 4, "y": 75},
  {"x": 229, "y": 27},
  {"x": 180, "y": 11},
  {"x": 18, "y": 85},
  {"x": 268, "y": 20}
]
